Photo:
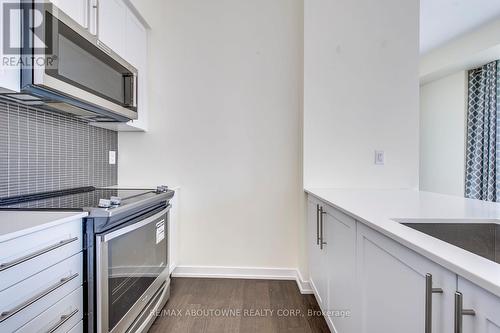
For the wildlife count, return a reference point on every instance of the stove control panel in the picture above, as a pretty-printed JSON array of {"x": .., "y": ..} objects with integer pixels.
[
  {"x": 115, "y": 201},
  {"x": 104, "y": 203},
  {"x": 161, "y": 189}
]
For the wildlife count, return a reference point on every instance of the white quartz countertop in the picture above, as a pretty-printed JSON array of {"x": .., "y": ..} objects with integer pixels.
[
  {"x": 14, "y": 224},
  {"x": 378, "y": 209}
]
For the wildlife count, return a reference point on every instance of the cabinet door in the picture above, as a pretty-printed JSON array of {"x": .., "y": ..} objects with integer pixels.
[
  {"x": 392, "y": 287},
  {"x": 78, "y": 10},
  {"x": 111, "y": 24},
  {"x": 136, "y": 53},
  {"x": 485, "y": 305},
  {"x": 318, "y": 273},
  {"x": 136, "y": 45},
  {"x": 341, "y": 264}
]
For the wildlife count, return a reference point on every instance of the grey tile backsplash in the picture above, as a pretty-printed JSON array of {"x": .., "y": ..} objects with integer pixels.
[{"x": 42, "y": 151}]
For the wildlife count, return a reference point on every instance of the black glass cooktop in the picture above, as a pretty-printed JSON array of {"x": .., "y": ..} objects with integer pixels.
[{"x": 72, "y": 199}]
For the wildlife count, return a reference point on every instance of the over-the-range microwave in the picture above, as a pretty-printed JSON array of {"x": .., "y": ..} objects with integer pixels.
[{"x": 65, "y": 68}]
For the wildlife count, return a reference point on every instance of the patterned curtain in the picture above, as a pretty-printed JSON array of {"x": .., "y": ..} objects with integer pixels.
[{"x": 482, "y": 172}]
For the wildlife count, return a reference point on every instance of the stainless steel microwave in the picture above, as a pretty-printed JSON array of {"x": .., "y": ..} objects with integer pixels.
[{"x": 65, "y": 68}]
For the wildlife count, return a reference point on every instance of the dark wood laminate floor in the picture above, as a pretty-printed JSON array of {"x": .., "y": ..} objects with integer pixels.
[{"x": 246, "y": 306}]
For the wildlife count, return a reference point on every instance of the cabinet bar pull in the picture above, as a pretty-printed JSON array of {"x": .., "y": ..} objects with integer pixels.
[
  {"x": 321, "y": 242},
  {"x": 95, "y": 7},
  {"x": 64, "y": 318},
  {"x": 317, "y": 224},
  {"x": 460, "y": 312},
  {"x": 428, "y": 301},
  {"x": 86, "y": 17},
  {"x": 20, "y": 260},
  {"x": 7, "y": 314}
]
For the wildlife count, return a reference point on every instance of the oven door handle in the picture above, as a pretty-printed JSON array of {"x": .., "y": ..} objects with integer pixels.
[{"x": 135, "y": 226}]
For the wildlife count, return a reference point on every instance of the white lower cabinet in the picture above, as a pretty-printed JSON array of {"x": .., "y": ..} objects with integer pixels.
[
  {"x": 29, "y": 255},
  {"x": 41, "y": 277},
  {"x": 29, "y": 298},
  {"x": 341, "y": 264},
  {"x": 60, "y": 317},
  {"x": 332, "y": 264},
  {"x": 392, "y": 287},
  {"x": 366, "y": 282},
  {"x": 318, "y": 271},
  {"x": 486, "y": 307},
  {"x": 78, "y": 328}
]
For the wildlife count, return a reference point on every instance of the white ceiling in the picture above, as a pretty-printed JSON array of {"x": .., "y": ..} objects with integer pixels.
[{"x": 444, "y": 20}]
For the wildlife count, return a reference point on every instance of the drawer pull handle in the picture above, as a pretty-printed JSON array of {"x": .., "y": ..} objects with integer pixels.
[
  {"x": 20, "y": 260},
  {"x": 64, "y": 318},
  {"x": 7, "y": 314}
]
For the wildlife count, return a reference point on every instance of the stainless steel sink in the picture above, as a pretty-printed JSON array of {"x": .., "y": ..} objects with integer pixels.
[{"x": 482, "y": 239}]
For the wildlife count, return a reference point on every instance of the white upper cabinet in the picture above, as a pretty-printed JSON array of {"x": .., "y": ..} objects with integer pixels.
[
  {"x": 10, "y": 76},
  {"x": 486, "y": 306},
  {"x": 136, "y": 52},
  {"x": 136, "y": 40},
  {"x": 120, "y": 29},
  {"x": 111, "y": 24},
  {"x": 78, "y": 10}
]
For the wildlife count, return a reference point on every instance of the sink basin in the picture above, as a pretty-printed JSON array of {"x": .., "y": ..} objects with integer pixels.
[{"x": 479, "y": 238}]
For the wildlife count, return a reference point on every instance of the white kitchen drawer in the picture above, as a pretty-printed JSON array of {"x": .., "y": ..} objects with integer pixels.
[
  {"x": 24, "y": 256},
  {"x": 29, "y": 298},
  {"x": 78, "y": 328},
  {"x": 60, "y": 317}
]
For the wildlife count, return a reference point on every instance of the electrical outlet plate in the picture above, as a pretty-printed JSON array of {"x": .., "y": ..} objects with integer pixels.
[
  {"x": 112, "y": 157},
  {"x": 379, "y": 157}
]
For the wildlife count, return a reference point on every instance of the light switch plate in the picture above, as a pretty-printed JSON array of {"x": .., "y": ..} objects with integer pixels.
[
  {"x": 379, "y": 157},
  {"x": 112, "y": 157}
]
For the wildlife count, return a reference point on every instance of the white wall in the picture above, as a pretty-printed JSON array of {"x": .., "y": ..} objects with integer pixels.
[
  {"x": 469, "y": 51},
  {"x": 224, "y": 124},
  {"x": 443, "y": 107},
  {"x": 361, "y": 93}
]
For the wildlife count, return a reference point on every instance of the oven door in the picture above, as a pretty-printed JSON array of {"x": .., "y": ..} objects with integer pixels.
[
  {"x": 132, "y": 265},
  {"x": 70, "y": 61}
]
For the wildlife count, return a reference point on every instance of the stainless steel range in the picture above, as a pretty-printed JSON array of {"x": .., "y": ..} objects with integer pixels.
[{"x": 126, "y": 251}]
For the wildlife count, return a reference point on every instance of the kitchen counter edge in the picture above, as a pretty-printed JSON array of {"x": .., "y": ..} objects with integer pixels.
[
  {"x": 474, "y": 268},
  {"x": 28, "y": 222}
]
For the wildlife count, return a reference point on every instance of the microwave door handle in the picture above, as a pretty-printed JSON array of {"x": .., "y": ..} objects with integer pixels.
[
  {"x": 135, "y": 87},
  {"x": 130, "y": 89}
]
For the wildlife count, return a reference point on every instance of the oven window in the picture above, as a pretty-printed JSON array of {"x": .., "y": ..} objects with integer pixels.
[{"x": 135, "y": 260}]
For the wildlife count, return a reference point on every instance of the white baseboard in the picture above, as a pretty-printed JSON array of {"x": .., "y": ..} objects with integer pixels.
[
  {"x": 304, "y": 286},
  {"x": 223, "y": 272}
]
